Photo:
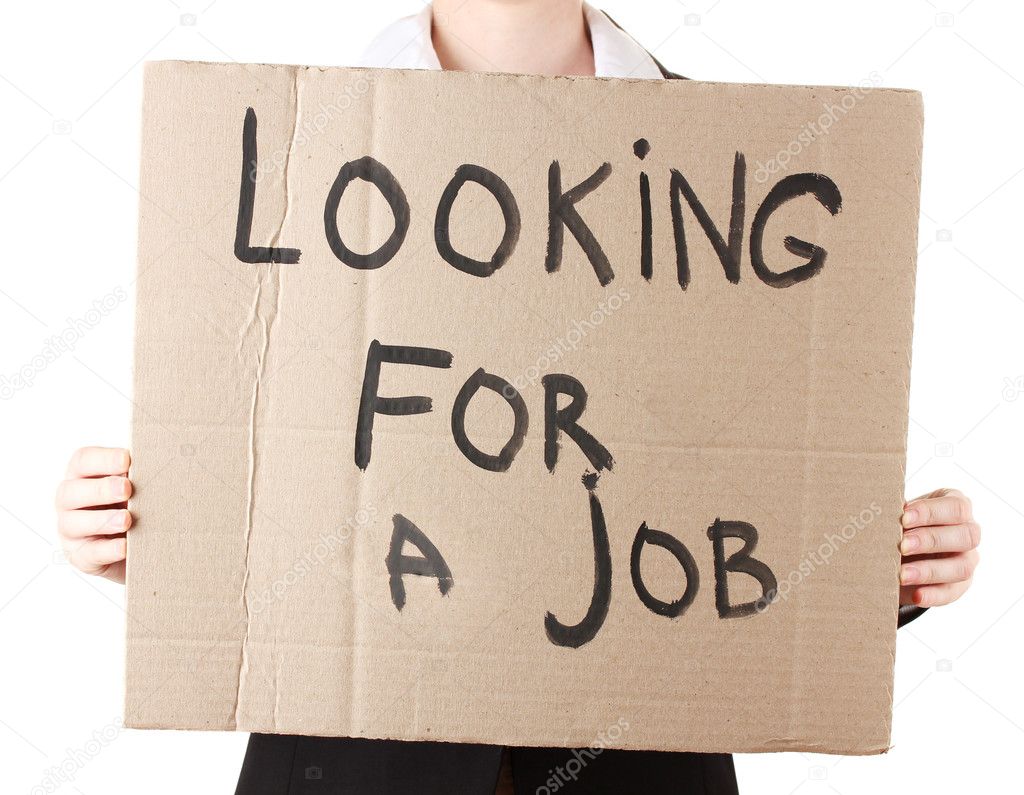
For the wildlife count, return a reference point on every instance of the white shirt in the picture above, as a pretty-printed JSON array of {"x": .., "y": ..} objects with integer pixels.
[{"x": 406, "y": 44}]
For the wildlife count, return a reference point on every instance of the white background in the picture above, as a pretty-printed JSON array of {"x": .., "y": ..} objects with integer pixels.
[{"x": 70, "y": 75}]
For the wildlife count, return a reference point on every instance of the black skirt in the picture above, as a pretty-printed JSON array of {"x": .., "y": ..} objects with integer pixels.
[{"x": 290, "y": 765}]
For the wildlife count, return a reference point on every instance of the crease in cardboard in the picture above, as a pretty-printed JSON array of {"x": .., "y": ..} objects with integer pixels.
[
  {"x": 268, "y": 291},
  {"x": 277, "y": 693},
  {"x": 799, "y": 644},
  {"x": 356, "y": 623}
]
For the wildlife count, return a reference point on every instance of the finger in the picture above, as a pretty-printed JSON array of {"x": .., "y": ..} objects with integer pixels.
[
  {"x": 91, "y": 462},
  {"x": 92, "y": 556},
  {"x": 949, "y": 509},
  {"x": 941, "y": 538},
  {"x": 115, "y": 572},
  {"x": 935, "y": 571},
  {"x": 82, "y": 524},
  {"x": 92, "y": 492},
  {"x": 934, "y": 595}
]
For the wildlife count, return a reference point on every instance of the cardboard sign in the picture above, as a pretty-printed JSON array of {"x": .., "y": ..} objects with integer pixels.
[{"x": 516, "y": 410}]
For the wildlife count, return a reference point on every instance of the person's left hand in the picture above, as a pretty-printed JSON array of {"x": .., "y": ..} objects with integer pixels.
[{"x": 940, "y": 549}]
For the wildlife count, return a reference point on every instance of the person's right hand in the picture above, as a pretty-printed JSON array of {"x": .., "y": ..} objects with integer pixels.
[{"x": 92, "y": 511}]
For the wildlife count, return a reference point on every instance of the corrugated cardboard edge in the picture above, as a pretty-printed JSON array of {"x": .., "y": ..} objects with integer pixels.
[
  {"x": 768, "y": 87},
  {"x": 127, "y": 719},
  {"x": 898, "y": 531}
]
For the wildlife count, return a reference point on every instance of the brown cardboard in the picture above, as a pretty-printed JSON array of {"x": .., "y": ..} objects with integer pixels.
[{"x": 259, "y": 596}]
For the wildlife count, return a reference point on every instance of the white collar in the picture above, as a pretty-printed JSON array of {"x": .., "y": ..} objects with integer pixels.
[{"x": 406, "y": 44}]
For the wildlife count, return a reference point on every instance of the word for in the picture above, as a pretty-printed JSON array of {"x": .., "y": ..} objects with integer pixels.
[
  {"x": 556, "y": 420},
  {"x": 562, "y": 215}
]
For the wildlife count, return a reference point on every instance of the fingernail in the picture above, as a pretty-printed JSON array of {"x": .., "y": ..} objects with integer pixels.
[
  {"x": 909, "y": 517},
  {"x": 119, "y": 488},
  {"x": 121, "y": 520},
  {"x": 908, "y": 574},
  {"x": 909, "y": 544}
]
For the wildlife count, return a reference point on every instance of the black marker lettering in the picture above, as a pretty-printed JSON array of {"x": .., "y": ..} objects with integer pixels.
[
  {"x": 371, "y": 404},
  {"x": 641, "y": 149},
  {"x": 673, "y": 545},
  {"x": 729, "y": 254},
  {"x": 429, "y": 564},
  {"x": 566, "y": 419},
  {"x": 739, "y": 562},
  {"x": 247, "y": 204},
  {"x": 509, "y": 211},
  {"x": 368, "y": 169},
  {"x": 828, "y": 195},
  {"x": 575, "y": 636},
  {"x": 562, "y": 213},
  {"x": 502, "y": 461}
]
